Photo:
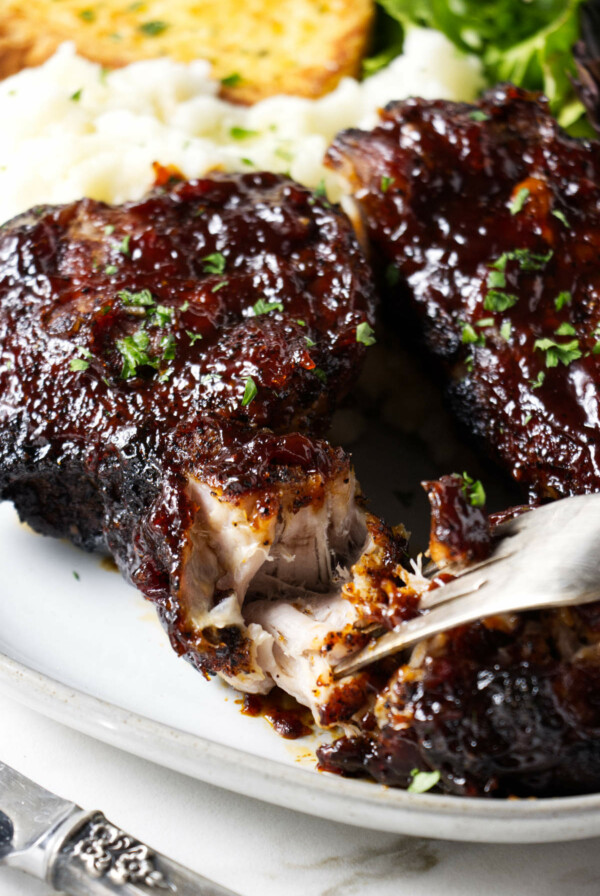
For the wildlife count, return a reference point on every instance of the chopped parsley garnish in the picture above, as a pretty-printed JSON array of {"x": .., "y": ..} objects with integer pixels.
[
  {"x": 166, "y": 375},
  {"x": 167, "y": 343},
  {"x": 110, "y": 269},
  {"x": 485, "y": 322},
  {"x": 527, "y": 419},
  {"x": 79, "y": 364},
  {"x": 470, "y": 336},
  {"x": 250, "y": 391},
  {"x": 231, "y": 80},
  {"x": 143, "y": 297},
  {"x": 478, "y": 115},
  {"x": 527, "y": 260},
  {"x": 83, "y": 361},
  {"x": 310, "y": 343},
  {"x": 537, "y": 382},
  {"x": 496, "y": 279},
  {"x": 365, "y": 334},
  {"x": 385, "y": 183},
  {"x": 238, "y": 133},
  {"x": 519, "y": 201},
  {"x": 219, "y": 285},
  {"x": 185, "y": 306},
  {"x": 421, "y": 782},
  {"x": 87, "y": 15},
  {"x": 124, "y": 244},
  {"x": 320, "y": 374},
  {"x": 561, "y": 217},
  {"x": 320, "y": 190},
  {"x": 75, "y": 97},
  {"x": 110, "y": 228},
  {"x": 566, "y": 329},
  {"x": 194, "y": 337},
  {"x": 562, "y": 299},
  {"x": 163, "y": 315},
  {"x": 153, "y": 29},
  {"x": 532, "y": 261},
  {"x": 214, "y": 263},
  {"x": 133, "y": 350},
  {"x": 208, "y": 378},
  {"x": 248, "y": 162},
  {"x": 499, "y": 301},
  {"x": 263, "y": 307},
  {"x": 596, "y": 349},
  {"x": 506, "y": 330},
  {"x": 300, "y": 322},
  {"x": 473, "y": 490},
  {"x": 558, "y": 353}
]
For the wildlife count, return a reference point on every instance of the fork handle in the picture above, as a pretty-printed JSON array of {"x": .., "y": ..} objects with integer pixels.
[{"x": 99, "y": 859}]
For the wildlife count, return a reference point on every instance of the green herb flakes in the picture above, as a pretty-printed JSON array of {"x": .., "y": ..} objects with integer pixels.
[
  {"x": 193, "y": 337},
  {"x": 385, "y": 183},
  {"x": 562, "y": 299},
  {"x": 558, "y": 353},
  {"x": 496, "y": 279},
  {"x": 392, "y": 275},
  {"x": 365, "y": 334},
  {"x": 310, "y": 343},
  {"x": 75, "y": 97},
  {"x": 320, "y": 374},
  {"x": 264, "y": 307},
  {"x": 167, "y": 344},
  {"x": 110, "y": 228},
  {"x": 566, "y": 329},
  {"x": 421, "y": 782},
  {"x": 154, "y": 28},
  {"x": 250, "y": 391},
  {"x": 185, "y": 306},
  {"x": 519, "y": 201},
  {"x": 506, "y": 330},
  {"x": 238, "y": 133},
  {"x": 537, "y": 382},
  {"x": 142, "y": 298},
  {"x": 87, "y": 15},
  {"x": 499, "y": 301},
  {"x": 232, "y": 80},
  {"x": 163, "y": 315},
  {"x": 473, "y": 490},
  {"x": 124, "y": 244},
  {"x": 77, "y": 364},
  {"x": 214, "y": 263},
  {"x": 561, "y": 217},
  {"x": 478, "y": 115},
  {"x": 133, "y": 350},
  {"x": 470, "y": 336}
]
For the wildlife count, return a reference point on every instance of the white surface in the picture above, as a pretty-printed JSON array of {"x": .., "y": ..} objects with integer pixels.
[
  {"x": 86, "y": 650},
  {"x": 261, "y": 850}
]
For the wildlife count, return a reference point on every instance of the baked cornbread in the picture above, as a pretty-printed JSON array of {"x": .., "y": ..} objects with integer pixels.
[{"x": 257, "y": 48}]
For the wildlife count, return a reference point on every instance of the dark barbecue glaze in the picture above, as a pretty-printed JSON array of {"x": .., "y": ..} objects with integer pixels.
[
  {"x": 104, "y": 459},
  {"x": 442, "y": 189},
  {"x": 507, "y": 706}
]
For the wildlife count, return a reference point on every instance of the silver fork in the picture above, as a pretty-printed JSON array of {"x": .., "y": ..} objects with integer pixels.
[{"x": 548, "y": 557}]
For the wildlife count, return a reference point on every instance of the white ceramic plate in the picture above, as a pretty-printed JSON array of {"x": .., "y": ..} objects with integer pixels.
[{"x": 79, "y": 645}]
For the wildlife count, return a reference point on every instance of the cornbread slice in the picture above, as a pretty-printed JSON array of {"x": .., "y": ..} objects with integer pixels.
[{"x": 257, "y": 48}]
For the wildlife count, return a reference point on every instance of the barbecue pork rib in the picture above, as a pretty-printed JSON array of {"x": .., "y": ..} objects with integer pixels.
[
  {"x": 486, "y": 222},
  {"x": 164, "y": 367}
]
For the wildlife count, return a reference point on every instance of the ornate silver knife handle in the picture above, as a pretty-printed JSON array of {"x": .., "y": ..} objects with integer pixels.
[
  {"x": 99, "y": 859},
  {"x": 86, "y": 855}
]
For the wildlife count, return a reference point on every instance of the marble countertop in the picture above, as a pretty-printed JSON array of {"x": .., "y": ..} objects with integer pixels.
[{"x": 259, "y": 850}]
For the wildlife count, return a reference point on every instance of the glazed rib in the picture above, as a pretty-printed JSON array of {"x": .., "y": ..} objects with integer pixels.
[{"x": 485, "y": 221}]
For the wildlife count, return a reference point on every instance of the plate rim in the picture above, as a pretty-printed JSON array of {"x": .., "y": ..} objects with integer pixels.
[{"x": 356, "y": 802}]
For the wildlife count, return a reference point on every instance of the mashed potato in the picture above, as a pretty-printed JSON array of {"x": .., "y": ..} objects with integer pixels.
[{"x": 72, "y": 129}]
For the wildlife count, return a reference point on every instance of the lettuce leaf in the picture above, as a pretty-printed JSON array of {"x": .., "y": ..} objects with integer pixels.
[{"x": 528, "y": 42}]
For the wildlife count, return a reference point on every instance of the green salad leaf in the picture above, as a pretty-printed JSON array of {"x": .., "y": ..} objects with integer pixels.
[{"x": 527, "y": 42}]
